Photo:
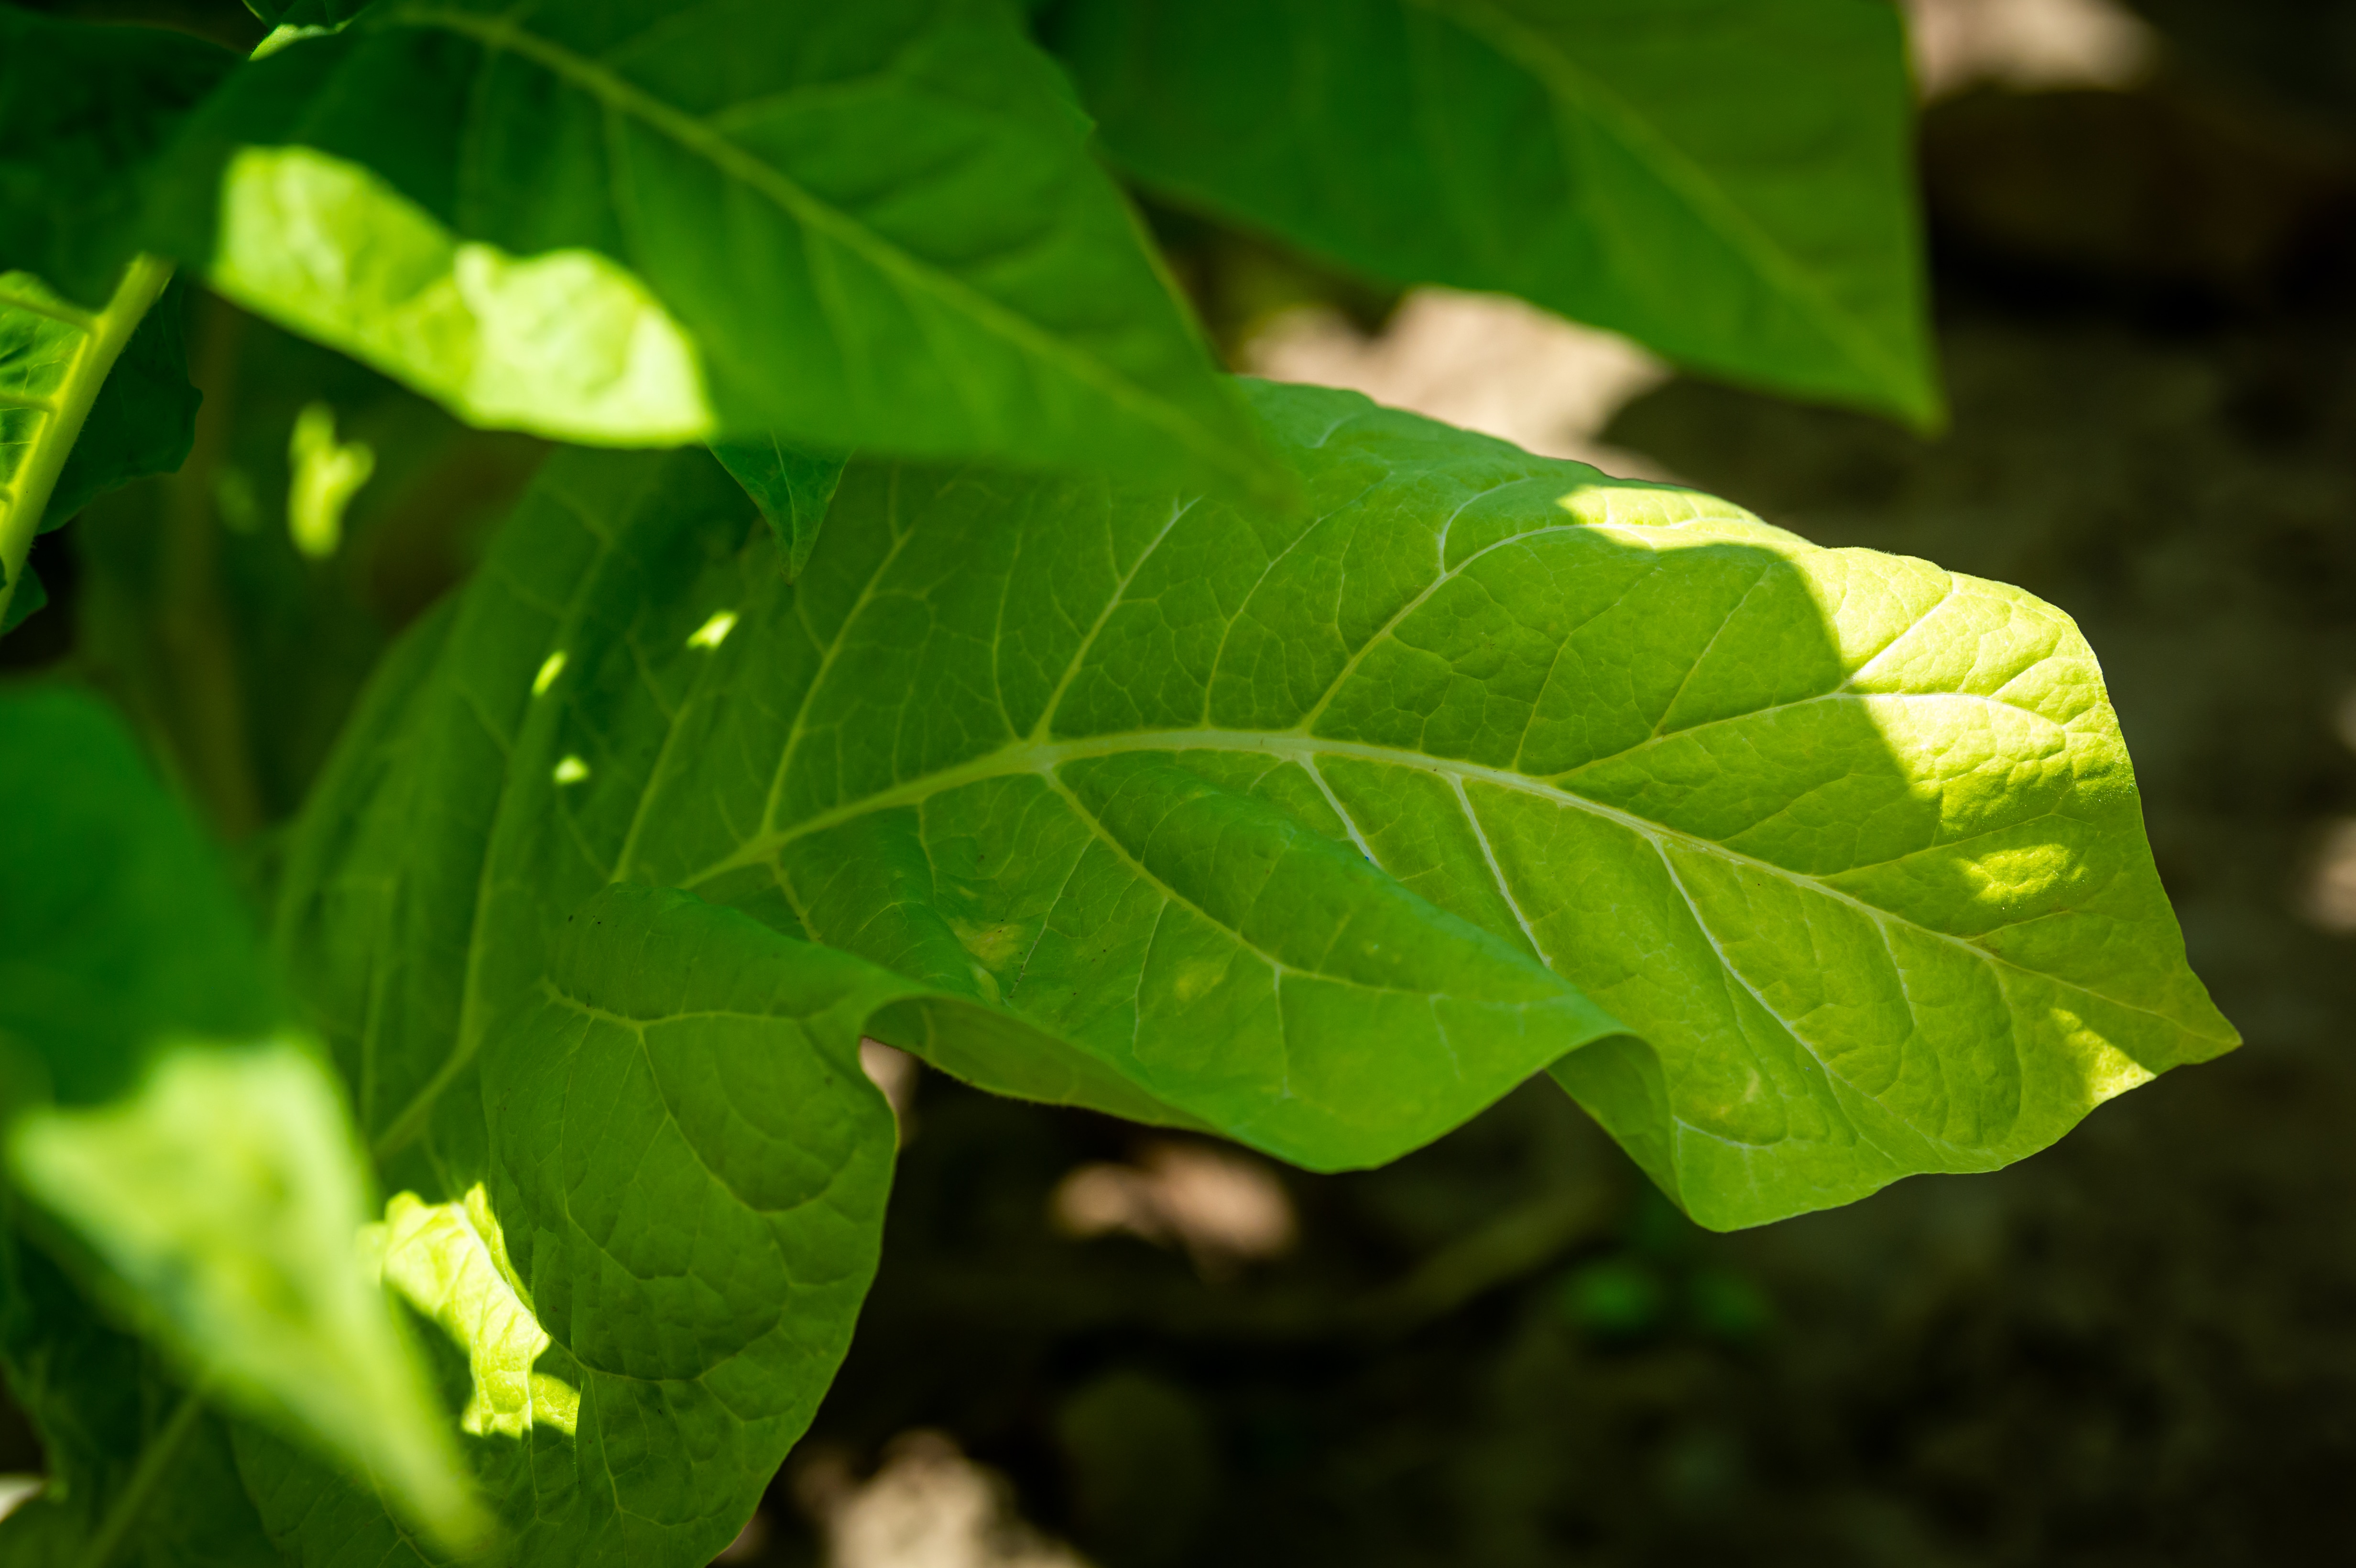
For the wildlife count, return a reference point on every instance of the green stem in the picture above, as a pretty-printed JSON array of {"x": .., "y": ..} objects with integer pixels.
[
  {"x": 103, "y": 337},
  {"x": 157, "y": 1458}
]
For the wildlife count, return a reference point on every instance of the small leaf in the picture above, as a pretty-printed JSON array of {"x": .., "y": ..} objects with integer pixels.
[
  {"x": 792, "y": 488},
  {"x": 1726, "y": 181},
  {"x": 450, "y": 1262},
  {"x": 326, "y": 473},
  {"x": 56, "y": 360}
]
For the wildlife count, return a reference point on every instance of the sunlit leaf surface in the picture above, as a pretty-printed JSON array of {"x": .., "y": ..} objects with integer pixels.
[{"x": 878, "y": 227}]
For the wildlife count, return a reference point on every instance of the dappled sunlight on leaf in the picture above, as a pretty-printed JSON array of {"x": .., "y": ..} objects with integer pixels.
[
  {"x": 567, "y": 344},
  {"x": 450, "y": 1262},
  {"x": 228, "y": 1190}
]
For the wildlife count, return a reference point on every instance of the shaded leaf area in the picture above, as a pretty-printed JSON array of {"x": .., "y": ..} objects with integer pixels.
[
  {"x": 237, "y": 656},
  {"x": 880, "y": 228},
  {"x": 1727, "y": 183},
  {"x": 194, "y": 1167},
  {"x": 641, "y": 1060},
  {"x": 792, "y": 488},
  {"x": 85, "y": 112},
  {"x": 144, "y": 419},
  {"x": 132, "y": 1458},
  {"x": 120, "y": 926}
]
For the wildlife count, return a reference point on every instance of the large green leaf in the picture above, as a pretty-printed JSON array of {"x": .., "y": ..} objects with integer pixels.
[
  {"x": 1810, "y": 869},
  {"x": 1727, "y": 181},
  {"x": 197, "y": 1166},
  {"x": 871, "y": 226},
  {"x": 85, "y": 110}
]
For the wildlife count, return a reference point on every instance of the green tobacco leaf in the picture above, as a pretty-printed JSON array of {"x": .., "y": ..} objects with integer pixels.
[
  {"x": 56, "y": 360},
  {"x": 1810, "y": 869},
  {"x": 880, "y": 226},
  {"x": 666, "y": 1200},
  {"x": 1727, "y": 181},
  {"x": 793, "y": 487},
  {"x": 210, "y": 1167},
  {"x": 85, "y": 110}
]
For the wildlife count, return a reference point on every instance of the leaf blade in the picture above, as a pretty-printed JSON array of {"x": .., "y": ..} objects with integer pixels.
[
  {"x": 1726, "y": 184},
  {"x": 1111, "y": 765}
]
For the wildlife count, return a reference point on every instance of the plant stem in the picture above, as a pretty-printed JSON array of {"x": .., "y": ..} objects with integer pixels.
[
  {"x": 101, "y": 345},
  {"x": 153, "y": 1462}
]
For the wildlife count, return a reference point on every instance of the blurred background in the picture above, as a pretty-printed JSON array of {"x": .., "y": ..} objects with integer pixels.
[{"x": 1093, "y": 1345}]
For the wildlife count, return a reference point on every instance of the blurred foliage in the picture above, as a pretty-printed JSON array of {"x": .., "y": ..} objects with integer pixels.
[{"x": 188, "y": 603}]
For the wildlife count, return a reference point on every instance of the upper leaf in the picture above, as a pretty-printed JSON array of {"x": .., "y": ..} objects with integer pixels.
[
  {"x": 871, "y": 226},
  {"x": 1727, "y": 181},
  {"x": 84, "y": 111}
]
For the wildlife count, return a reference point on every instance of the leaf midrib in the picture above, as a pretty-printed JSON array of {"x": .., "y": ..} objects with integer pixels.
[
  {"x": 1045, "y": 757},
  {"x": 624, "y": 98},
  {"x": 1704, "y": 197}
]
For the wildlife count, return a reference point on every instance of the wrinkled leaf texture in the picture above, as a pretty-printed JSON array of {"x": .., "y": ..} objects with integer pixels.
[
  {"x": 1726, "y": 181},
  {"x": 1804, "y": 869},
  {"x": 879, "y": 225}
]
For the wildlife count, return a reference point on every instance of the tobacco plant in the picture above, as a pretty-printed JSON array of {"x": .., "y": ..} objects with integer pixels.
[{"x": 916, "y": 637}]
